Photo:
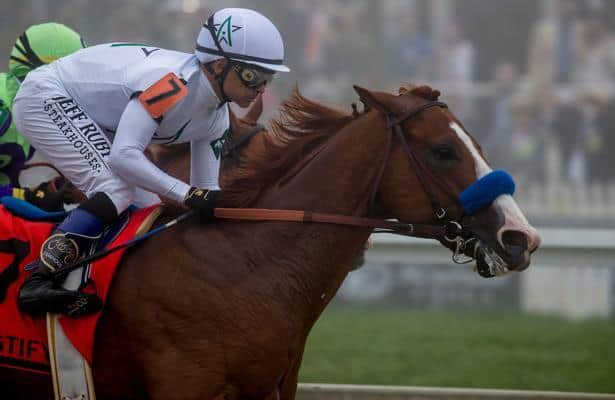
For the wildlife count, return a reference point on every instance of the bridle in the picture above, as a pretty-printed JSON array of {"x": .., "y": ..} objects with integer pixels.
[
  {"x": 453, "y": 229},
  {"x": 448, "y": 230},
  {"x": 459, "y": 235},
  {"x": 395, "y": 129}
]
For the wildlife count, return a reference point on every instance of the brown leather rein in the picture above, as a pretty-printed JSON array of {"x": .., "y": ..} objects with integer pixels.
[
  {"x": 448, "y": 230},
  {"x": 381, "y": 226}
]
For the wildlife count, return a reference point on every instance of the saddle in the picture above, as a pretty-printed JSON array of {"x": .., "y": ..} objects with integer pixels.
[{"x": 44, "y": 346}]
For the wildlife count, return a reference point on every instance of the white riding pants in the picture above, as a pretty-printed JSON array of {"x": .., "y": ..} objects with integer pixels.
[{"x": 63, "y": 133}]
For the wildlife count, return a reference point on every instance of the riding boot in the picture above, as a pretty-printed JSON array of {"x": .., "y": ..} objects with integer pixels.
[{"x": 43, "y": 292}]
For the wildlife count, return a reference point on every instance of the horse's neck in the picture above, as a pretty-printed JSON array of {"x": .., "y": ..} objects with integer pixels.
[
  {"x": 300, "y": 266},
  {"x": 338, "y": 179},
  {"x": 340, "y": 176}
]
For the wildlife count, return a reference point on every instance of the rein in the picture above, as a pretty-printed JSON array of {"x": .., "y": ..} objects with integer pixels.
[
  {"x": 263, "y": 214},
  {"x": 448, "y": 231},
  {"x": 380, "y": 225}
]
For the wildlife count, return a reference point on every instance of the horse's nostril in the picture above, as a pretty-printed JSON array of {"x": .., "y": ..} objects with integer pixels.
[
  {"x": 515, "y": 239},
  {"x": 516, "y": 247}
]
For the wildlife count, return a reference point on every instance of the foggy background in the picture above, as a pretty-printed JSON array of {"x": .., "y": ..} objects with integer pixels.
[{"x": 532, "y": 80}]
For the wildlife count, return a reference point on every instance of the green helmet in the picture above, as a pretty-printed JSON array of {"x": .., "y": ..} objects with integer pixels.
[{"x": 42, "y": 44}]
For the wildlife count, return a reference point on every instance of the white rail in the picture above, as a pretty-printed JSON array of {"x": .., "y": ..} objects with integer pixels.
[
  {"x": 316, "y": 391},
  {"x": 562, "y": 247},
  {"x": 570, "y": 276},
  {"x": 582, "y": 202}
]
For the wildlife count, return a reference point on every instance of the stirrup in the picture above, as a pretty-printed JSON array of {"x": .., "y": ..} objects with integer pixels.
[
  {"x": 85, "y": 304},
  {"x": 39, "y": 295},
  {"x": 81, "y": 305}
]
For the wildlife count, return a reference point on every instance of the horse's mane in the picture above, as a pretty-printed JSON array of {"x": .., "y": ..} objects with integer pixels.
[{"x": 301, "y": 125}]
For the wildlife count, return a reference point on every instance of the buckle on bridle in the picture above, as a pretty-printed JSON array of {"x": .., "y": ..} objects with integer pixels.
[{"x": 441, "y": 213}]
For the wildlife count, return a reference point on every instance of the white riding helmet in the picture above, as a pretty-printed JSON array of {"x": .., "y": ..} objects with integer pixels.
[{"x": 241, "y": 35}]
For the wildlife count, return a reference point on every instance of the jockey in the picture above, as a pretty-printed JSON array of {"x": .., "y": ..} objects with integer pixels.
[
  {"x": 93, "y": 113},
  {"x": 38, "y": 45}
]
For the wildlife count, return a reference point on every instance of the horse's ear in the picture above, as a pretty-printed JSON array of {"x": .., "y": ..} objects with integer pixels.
[
  {"x": 369, "y": 99},
  {"x": 254, "y": 112},
  {"x": 381, "y": 101}
]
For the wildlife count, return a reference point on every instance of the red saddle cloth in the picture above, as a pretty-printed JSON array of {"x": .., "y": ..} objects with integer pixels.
[{"x": 23, "y": 339}]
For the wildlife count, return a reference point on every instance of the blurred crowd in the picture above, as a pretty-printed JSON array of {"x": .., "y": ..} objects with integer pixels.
[
  {"x": 532, "y": 80},
  {"x": 536, "y": 88}
]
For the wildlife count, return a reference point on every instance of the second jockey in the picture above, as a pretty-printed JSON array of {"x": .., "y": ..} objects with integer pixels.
[
  {"x": 36, "y": 46},
  {"x": 93, "y": 113}
]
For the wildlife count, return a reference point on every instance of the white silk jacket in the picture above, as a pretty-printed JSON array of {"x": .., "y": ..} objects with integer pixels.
[{"x": 140, "y": 94}]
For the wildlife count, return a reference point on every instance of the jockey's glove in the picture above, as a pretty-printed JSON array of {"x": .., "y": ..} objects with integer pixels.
[
  {"x": 48, "y": 201},
  {"x": 64, "y": 188},
  {"x": 40, "y": 198},
  {"x": 202, "y": 201}
]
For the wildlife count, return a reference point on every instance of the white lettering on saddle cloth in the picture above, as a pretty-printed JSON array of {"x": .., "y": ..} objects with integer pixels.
[{"x": 80, "y": 130}]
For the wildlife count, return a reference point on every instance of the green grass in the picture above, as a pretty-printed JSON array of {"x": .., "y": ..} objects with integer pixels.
[{"x": 455, "y": 349}]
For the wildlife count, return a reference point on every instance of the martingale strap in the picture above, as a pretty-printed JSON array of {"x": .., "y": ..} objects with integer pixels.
[{"x": 485, "y": 190}]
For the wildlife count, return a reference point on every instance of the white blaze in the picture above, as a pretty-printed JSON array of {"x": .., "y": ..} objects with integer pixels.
[
  {"x": 482, "y": 168},
  {"x": 514, "y": 218}
]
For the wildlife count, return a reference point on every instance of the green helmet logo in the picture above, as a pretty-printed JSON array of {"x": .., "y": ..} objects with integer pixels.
[{"x": 42, "y": 44}]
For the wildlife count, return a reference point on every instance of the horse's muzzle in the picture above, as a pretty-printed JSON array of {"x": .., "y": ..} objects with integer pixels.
[{"x": 516, "y": 249}]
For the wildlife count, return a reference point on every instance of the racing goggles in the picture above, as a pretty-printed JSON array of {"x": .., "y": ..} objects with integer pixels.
[{"x": 253, "y": 77}]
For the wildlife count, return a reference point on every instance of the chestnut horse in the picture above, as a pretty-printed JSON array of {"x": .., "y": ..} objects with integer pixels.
[{"x": 223, "y": 310}]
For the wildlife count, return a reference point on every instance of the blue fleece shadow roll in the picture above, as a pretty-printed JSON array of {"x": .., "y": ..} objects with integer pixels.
[{"x": 482, "y": 192}]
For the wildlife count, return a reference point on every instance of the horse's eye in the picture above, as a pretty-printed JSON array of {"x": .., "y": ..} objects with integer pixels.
[{"x": 444, "y": 153}]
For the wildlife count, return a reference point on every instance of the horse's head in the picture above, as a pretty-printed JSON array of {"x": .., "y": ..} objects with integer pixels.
[{"x": 433, "y": 171}]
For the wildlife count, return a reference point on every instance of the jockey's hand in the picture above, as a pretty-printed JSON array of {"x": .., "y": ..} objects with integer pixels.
[
  {"x": 202, "y": 201},
  {"x": 48, "y": 201},
  {"x": 62, "y": 186}
]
